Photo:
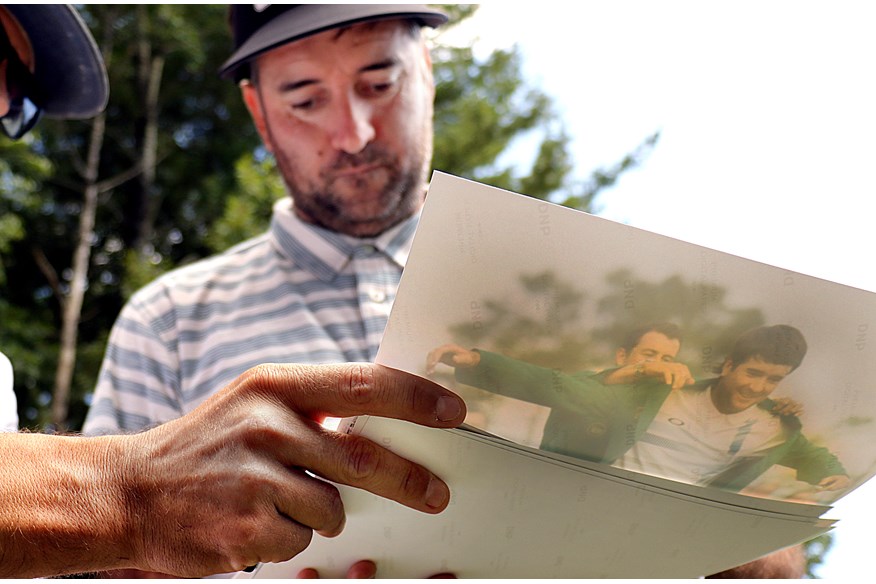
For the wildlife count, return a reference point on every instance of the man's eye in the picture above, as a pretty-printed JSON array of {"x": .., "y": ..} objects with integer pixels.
[
  {"x": 304, "y": 101},
  {"x": 376, "y": 89},
  {"x": 304, "y": 105}
]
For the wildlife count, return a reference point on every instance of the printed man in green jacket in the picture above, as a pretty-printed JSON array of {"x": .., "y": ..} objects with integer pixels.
[{"x": 651, "y": 416}]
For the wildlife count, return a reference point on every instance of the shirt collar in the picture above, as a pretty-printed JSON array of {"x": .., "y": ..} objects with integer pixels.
[{"x": 325, "y": 253}]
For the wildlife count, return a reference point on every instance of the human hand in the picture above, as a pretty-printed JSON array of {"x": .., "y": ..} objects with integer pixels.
[
  {"x": 453, "y": 355},
  {"x": 363, "y": 569},
  {"x": 785, "y": 406},
  {"x": 238, "y": 480},
  {"x": 359, "y": 570},
  {"x": 676, "y": 375},
  {"x": 834, "y": 483}
]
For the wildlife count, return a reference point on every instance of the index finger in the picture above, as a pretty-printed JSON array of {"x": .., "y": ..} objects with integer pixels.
[
  {"x": 354, "y": 389},
  {"x": 433, "y": 357}
]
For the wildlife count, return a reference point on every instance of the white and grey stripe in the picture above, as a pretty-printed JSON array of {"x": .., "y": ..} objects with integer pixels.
[{"x": 297, "y": 294}]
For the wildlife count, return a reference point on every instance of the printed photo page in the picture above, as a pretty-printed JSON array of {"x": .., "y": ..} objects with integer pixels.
[
  {"x": 638, "y": 406},
  {"x": 593, "y": 340}
]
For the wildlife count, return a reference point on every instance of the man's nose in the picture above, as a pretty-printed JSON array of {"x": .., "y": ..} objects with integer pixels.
[
  {"x": 760, "y": 386},
  {"x": 352, "y": 128}
]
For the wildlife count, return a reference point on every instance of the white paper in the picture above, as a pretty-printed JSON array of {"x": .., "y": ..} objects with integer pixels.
[{"x": 514, "y": 515}]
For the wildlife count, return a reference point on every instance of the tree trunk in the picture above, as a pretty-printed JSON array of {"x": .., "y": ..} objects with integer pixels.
[
  {"x": 149, "y": 154},
  {"x": 72, "y": 305},
  {"x": 149, "y": 76}
]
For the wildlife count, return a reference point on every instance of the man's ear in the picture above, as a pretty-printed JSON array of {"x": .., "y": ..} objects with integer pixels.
[
  {"x": 427, "y": 71},
  {"x": 620, "y": 356},
  {"x": 254, "y": 104},
  {"x": 727, "y": 367}
]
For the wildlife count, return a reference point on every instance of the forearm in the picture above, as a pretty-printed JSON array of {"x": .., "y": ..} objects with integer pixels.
[
  {"x": 64, "y": 505},
  {"x": 624, "y": 375},
  {"x": 812, "y": 463}
]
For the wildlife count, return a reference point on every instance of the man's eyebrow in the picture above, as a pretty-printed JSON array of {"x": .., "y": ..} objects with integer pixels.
[
  {"x": 385, "y": 64},
  {"x": 293, "y": 85},
  {"x": 378, "y": 66}
]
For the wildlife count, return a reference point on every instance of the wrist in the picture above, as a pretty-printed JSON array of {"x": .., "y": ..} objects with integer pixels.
[
  {"x": 125, "y": 505},
  {"x": 69, "y": 515},
  {"x": 128, "y": 457}
]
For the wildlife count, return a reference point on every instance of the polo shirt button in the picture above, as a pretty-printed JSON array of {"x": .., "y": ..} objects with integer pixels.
[{"x": 377, "y": 296}]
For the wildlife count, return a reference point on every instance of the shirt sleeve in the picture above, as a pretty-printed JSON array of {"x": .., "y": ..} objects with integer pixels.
[
  {"x": 539, "y": 385},
  {"x": 812, "y": 463}
]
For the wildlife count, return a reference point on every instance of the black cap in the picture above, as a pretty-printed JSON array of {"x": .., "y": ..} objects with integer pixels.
[
  {"x": 258, "y": 28},
  {"x": 69, "y": 71}
]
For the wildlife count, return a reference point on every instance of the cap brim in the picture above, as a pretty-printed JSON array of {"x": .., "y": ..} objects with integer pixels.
[
  {"x": 309, "y": 19},
  {"x": 69, "y": 69}
]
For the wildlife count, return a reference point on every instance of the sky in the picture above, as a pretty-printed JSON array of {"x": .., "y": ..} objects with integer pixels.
[{"x": 767, "y": 119}]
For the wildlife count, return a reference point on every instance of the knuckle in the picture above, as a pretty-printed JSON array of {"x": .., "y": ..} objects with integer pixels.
[
  {"x": 362, "y": 460},
  {"x": 297, "y": 540},
  {"x": 259, "y": 374},
  {"x": 260, "y": 426},
  {"x": 260, "y": 535},
  {"x": 255, "y": 483},
  {"x": 244, "y": 544},
  {"x": 358, "y": 384},
  {"x": 414, "y": 482},
  {"x": 274, "y": 379},
  {"x": 335, "y": 516}
]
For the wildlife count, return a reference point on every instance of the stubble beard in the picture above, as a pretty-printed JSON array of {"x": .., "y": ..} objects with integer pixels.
[{"x": 362, "y": 205}]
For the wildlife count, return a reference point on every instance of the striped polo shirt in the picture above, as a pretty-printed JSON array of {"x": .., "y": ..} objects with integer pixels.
[{"x": 296, "y": 294}]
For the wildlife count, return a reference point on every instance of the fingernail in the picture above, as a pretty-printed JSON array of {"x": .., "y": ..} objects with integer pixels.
[
  {"x": 448, "y": 408},
  {"x": 437, "y": 494}
]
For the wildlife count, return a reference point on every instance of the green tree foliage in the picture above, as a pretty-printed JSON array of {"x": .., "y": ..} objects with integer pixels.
[
  {"x": 709, "y": 324},
  {"x": 573, "y": 331},
  {"x": 551, "y": 336},
  {"x": 816, "y": 551},
  {"x": 167, "y": 106},
  {"x": 21, "y": 173}
]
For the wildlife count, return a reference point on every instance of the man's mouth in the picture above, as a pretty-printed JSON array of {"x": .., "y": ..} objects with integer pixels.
[
  {"x": 356, "y": 171},
  {"x": 750, "y": 397}
]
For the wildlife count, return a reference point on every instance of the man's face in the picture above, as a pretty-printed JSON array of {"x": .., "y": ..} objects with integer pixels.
[
  {"x": 348, "y": 116},
  {"x": 744, "y": 385},
  {"x": 19, "y": 41},
  {"x": 653, "y": 346}
]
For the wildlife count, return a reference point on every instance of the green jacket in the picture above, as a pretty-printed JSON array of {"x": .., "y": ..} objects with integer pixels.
[{"x": 598, "y": 422}]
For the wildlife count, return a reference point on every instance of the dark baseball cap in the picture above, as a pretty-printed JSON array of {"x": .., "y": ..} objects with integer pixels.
[
  {"x": 258, "y": 28},
  {"x": 71, "y": 79}
]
